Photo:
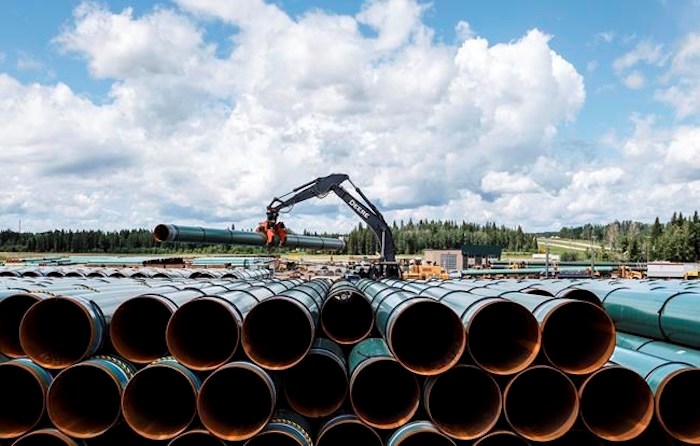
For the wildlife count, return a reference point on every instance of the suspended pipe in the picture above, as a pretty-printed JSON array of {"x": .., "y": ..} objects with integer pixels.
[
  {"x": 317, "y": 386},
  {"x": 541, "y": 403},
  {"x": 424, "y": 335},
  {"x": 616, "y": 403},
  {"x": 346, "y": 315},
  {"x": 237, "y": 400},
  {"x": 347, "y": 430},
  {"x": 278, "y": 332},
  {"x": 47, "y": 437},
  {"x": 84, "y": 400},
  {"x": 286, "y": 428},
  {"x": 383, "y": 393},
  {"x": 419, "y": 433},
  {"x": 160, "y": 401},
  {"x": 195, "y": 234},
  {"x": 660, "y": 349},
  {"x": 503, "y": 438},
  {"x": 23, "y": 386},
  {"x": 204, "y": 333},
  {"x": 675, "y": 386},
  {"x": 502, "y": 336},
  {"x": 196, "y": 437},
  {"x": 465, "y": 402}
]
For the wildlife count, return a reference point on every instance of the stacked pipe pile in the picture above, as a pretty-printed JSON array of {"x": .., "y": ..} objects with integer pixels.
[
  {"x": 133, "y": 273},
  {"x": 263, "y": 361}
]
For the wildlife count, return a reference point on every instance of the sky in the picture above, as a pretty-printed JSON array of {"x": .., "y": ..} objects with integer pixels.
[{"x": 541, "y": 113}]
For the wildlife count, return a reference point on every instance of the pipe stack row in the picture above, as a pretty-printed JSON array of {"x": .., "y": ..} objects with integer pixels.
[
  {"x": 302, "y": 363},
  {"x": 133, "y": 273}
]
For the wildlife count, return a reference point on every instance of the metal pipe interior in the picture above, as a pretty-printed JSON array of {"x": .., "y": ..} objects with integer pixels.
[
  {"x": 503, "y": 337},
  {"x": 12, "y": 310},
  {"x": 203, "y": 334},
  {"x": 349, "y": 433},
  {"x": 579, "y": 437},
  {"x": 582, "y": 294},
  {"x": 541, "y": 403},
  {"x": 616, "y": 404},
  {"x": 677, "y": 408},
  {"x": 427, "y": 337},
  {"x": 84, "y": 401},
  {"x": 383, "y": 393},
  {"x": 347, "y": 319},
  {"x": 22, "y": 403},
  {"x": 56, "y": 332},
  {"x": 159, "y": 402},
  {"x": 199, "y": 437},
  {"x": 277, "y": 333},
  {"x": 137, "y": 329},
  {"x": 275, "y": 438},
  {"x": 317, "y": 386},
  {"x": 235, "y": 403},
  {"x": 464, "y": 402},
  {"x": 421, "y": 437},
  {"x": 502, "y": 438},
  {"x": 46, "y": 437},
  {"x": 578, "y": 337}
]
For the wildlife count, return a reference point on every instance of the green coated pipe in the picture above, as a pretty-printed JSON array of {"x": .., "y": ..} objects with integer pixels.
[
  {"x": 13, "y": 306},
  {"x": 383, "y": 393},
  {"x": 285, "y": 428},
  {"x": 23, "y": 385},
  {"x": 196, "y": 234},
  {"x": 675, "y": 386},
  {"x": 347, "y": 430},
  {"x": 346, "y": 315},
  {"x": 660, "y": 349},
  {"x": 424, "y": 335},
  {"x": 47, "y": 437},
  {"x": 419, "y": 433}
]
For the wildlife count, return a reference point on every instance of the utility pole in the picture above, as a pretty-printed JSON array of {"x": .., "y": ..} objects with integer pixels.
[
  {"x": 20, "y": 226},
  {"x": 546, "y": 259}
]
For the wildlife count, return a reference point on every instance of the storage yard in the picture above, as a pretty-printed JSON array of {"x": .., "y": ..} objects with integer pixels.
[{"x": 214, "y": 356}]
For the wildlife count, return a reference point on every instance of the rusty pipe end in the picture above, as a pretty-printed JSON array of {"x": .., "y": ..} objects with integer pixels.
[
  {"x": 164, "y": 233},
  {"x": 59, "y": 332},
  {"x": 159, "y": 402},
  {"x": 347, "y": 318},
  {"x": 23, "y": 388},
  {"x": 278, "y": 333},
  {"x": 502, "y": 438},
  {"x": 503, "y": 337},
  {"x": 677, "y": 410},
  {"x": 541, "y": 403},
  {"x": 46, "y": 437},
  {"x": 465, "y": 402},
  {"x": 426, "y": 336},
  {"x": 383, "y": 393},
  {"x": 196, "y": 437},
  {"x": 236, "y": 401},
  {"x": 137, "y": 328},
  {"x": 578, "y": 337},
  {"x": 616, "y": 403},
  {"x": 12, "y": 310},
  {"x": 347, "y": 430},
  {"x": 204, "y": 333}
]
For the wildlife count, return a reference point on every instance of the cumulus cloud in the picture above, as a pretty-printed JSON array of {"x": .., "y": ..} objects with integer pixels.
[{"x": 684, "y": 92}]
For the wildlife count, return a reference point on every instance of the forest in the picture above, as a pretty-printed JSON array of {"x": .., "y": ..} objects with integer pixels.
[{"x": 676, "y": 240}]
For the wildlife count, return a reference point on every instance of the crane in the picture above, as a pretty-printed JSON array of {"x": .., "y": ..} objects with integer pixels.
[{"x": 362, "y": 206}]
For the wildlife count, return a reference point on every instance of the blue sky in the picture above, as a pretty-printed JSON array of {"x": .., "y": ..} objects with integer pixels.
[{"x": 629, "y": 94}]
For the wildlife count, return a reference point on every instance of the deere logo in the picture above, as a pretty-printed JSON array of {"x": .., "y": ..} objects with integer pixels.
[{"x": 362, "y": 211}]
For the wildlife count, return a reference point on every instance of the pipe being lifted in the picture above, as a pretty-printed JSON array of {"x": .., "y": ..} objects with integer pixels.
[
  {"x": 23, "y": 386},
  {"x": 347, "y": 430},
  {"x": 196, "y": 234}
]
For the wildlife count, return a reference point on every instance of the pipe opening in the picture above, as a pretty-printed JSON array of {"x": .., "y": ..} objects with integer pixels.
[
  {"x": 578, "y": 437},
  {"x": 581, "y": 294},
  {"x": 12, "y": 310},
  {"x": 349, "y": 433},
  {"x": 235, "y": 403},
  {"x": 22, "y": 403},
  {"x": 464, "y": 402},
  {"x": 616, "y": 404},
  {"x": 47, "y": 437},
  {"x": 578, "y": 337},
  {"x": 383, "y": 393},
  {"x": 275, "y": 439},
  {"x": 161, "y": 233},
  {"x": 159, "y": 402},
  {"x": 677, "y": 406},
  {"x": 347, "y": 317},
  {"x": 56, "y": 332},
  {"x": 84, "y": 401},
  {"x": 137, "y": 329},
  {"x": 539, "y": 292},
  {"x": 427, "y": 337},
  {"x": 203, "y": 334},
  {"x": 503, "y": 337},
  {"x": 317, "y": 386},
  {"x": 541, "y": 403},
  {"x": 277, "y": 333},
  {"x": 424, "y": 438},
  {"x": 196, "y": 438},
  {"x": 504, "y": 439}
]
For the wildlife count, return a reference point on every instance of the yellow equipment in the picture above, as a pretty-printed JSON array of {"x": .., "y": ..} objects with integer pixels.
[
  {"x": 625, "y": 272},
  {"x": 417, "y": 270}
]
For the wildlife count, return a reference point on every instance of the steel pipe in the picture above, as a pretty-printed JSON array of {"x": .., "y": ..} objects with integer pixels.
[
  {"x": 47, "y": 437},
  {"x": 286, "y": 428},
  {"x": 317, "y": 386},
  {"x": 424, "y": 335},
  {"x": 205, "y": 332},
  {"x": 13, "y": 306},
  {"x": 195, "y": 234},
  {"x": 278, "y": 332},
  {"x": 581, "y": 437},
  {"x": 660, "y": 349},
  {"x": 419, "y": 433},
  {"x": 616, "y": 403},
  {"x": 196, "y": 437},
  {"x": 346, "y": 314},
  {"x": 237, "y": 400},
  {"x": 675, "y": 386},
  {"x": 23, "y": 386},
  {"x": 541, "y": 403},
  {"x": 84, "y": 400},
  {"x": 347, "y": 430},
  {"x": 465, "y": 402},
  {"x": 503, "y": 438},
  {"x": 383, "y": 393},
  {"x": 160, "y": 401}
]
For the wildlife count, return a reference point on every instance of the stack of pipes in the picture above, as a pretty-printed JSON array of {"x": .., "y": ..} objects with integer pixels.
[{"x": 264, "y": 361}]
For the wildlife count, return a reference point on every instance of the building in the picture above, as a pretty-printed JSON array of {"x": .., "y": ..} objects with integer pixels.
[
  {"x": 449, "y": 259},
  {"x": 470, "y": 256}
]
